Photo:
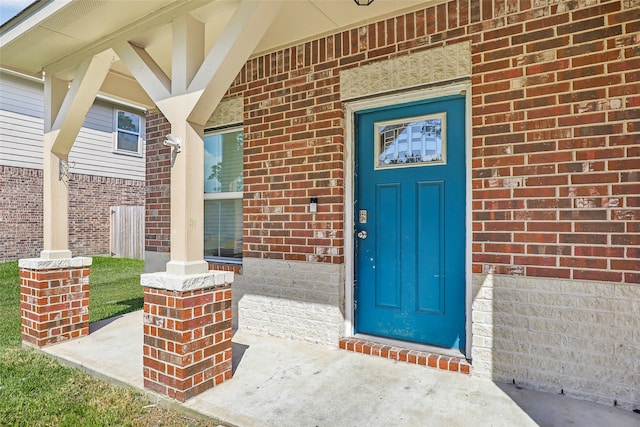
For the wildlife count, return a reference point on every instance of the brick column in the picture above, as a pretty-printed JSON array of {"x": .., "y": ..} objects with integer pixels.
[
  {"x": 54, "y": 299},
  {"x": 187, "y": 332}
]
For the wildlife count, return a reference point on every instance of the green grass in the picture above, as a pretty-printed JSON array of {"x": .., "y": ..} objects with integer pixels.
[
  {"x": 36, "y": 390},
  {"x": 114, "y": 287},
  {"x": 9, "y": 305}
]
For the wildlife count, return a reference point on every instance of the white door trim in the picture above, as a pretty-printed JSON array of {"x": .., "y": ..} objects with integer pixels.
[{"x": 350, "y": 109}]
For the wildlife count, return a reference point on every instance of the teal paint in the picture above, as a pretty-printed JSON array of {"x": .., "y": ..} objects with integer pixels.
[{"x": 410, "y": 269}]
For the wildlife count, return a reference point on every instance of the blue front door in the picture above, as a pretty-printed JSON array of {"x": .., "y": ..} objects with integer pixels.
[{"x": 410, "y": 222}]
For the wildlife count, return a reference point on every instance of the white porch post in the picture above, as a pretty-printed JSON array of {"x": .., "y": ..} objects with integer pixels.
[
  {"x": 187, "y": 100},
  {"x": 55, "y": 191},
  {"x": 187, "y": 174},
  {"x": 44, "y": 321},
  {"x": 65, "y": 110},
  {"x": 187, "y": 202}
]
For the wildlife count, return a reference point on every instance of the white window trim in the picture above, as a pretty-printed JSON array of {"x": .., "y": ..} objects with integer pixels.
[
  {"x": 141, "y": 135},
  {"x": 224, "y": 196},
  {"x": 228, "y": 195}
]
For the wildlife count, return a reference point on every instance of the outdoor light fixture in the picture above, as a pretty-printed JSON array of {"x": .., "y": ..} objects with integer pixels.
[
  {"x": 363, "y": 2},
  {"x": 172, "y": 141}
]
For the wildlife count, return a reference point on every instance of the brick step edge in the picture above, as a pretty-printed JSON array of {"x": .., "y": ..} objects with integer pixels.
[{"x": 414, "y": 357}]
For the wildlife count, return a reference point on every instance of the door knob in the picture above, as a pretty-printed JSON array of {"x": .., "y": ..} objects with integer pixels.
[{"x": 362, "y": 234}]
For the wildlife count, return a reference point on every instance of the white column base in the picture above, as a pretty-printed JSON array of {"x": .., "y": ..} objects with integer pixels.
[
  {"x": 55, "y": 254},
  {"x": 187, "y": 268},
  {"x": 183, "y": 283},
  {"x": 54, "y": 263}
]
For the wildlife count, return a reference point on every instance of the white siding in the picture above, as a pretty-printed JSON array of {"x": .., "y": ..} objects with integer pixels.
[
  {"x": 21, "y": 122},
  {"x": 21, "y": 130},
  {"x": 92, "y": 154}
]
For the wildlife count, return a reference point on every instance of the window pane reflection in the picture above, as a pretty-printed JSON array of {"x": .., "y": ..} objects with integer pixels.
[
  {"x": 223, "y": 228},
  {"x": 223, "y": 162},
  {"x": 410, "y": 142}
]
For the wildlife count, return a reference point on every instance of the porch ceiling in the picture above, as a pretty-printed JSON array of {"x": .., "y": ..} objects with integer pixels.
[{"x": 55, "y": 36}]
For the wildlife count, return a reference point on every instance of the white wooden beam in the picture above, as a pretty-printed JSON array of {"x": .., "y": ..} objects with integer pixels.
[
  {"x": 55, "y": 192},
  {"x": 65, "y": 110},
  {"x": 77, "y": 102},
  {"x": 187, "y": 202},
  {"x": 55, "y": 91},
  {"x": 228, "y": 55},
  {"x": 145, "y": 69},
  {"x": 187, "y": 52}
]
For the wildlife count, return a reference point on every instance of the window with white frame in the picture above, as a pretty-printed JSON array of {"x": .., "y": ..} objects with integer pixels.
[
  {"x": 128, "y": 136},
  {"x": 223, "y": 185}
]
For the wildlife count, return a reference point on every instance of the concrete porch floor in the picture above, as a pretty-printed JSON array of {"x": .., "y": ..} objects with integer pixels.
[{"x": 285, "y": 383}]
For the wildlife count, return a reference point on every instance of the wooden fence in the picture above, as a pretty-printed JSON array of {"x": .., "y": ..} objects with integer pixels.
[{"x": 127, "y": 232}]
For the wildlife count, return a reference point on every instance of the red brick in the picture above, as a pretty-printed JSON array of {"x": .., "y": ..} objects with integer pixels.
[
  {"x": 209, "y": 337},
  {"x": 607, "y": 276}
]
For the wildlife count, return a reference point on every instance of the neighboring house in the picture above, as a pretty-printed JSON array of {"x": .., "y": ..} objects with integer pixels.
[
  {"x": 461, "y": 177},
  {"x": 102, "y": 171}
]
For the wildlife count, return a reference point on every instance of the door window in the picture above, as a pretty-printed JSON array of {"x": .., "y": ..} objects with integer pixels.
[{"x": 416, "y": 141}]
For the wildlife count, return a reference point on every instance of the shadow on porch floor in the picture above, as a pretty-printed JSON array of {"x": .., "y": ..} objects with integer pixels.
[{"x": 285, "y": 383}]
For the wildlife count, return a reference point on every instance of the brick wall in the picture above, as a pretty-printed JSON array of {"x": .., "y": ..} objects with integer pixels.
[
  {"x": 556, "y": 106},
  {"x": 290, "y": 299},
  {"x": 574, "y": 337},
  {"x": 20, "y": 216},
  {"x": 158, "y": 185},
  {"x": 90, "y": 198},
  {"x": 54, "y": 300},
  {"x": 555, "y": 129}
]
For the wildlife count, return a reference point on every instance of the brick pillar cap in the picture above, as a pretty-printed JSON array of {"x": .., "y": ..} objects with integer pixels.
[
  {"x": 192, "y": 282},
  {"x": 52, "y": 264}
]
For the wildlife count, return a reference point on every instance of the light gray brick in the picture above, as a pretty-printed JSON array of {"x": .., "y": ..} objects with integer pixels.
[
  {"x": 582, "y": 336},
  {"x": 503, "y": 332},
  {"x": 578, "y": 288},
  {"x": 291, "y": 299},
  {"x": 589, "y": 316},
  {"x": 519, "y": 322},
  {"x": 544, "y": 311},
  {"x": 628, "y": 320},
  {"x": 592, "y": 344},
  {"x": 554, "y": 300},
  {"x": 510, "y": 346},
  {"x": 624, "y": 350},
  {"x": 550, "y": 326},
  {"x": 627, "y": 292}
]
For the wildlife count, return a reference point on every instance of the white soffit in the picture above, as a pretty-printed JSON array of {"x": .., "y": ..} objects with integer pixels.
[
  {"x": 303, "y": 20},
  {"x": 62, "y": 33}
]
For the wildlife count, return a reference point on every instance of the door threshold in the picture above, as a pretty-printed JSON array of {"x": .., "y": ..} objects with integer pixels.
[
  {"x": 412, "y": 353},
  {"x": 412, "y": 345}
]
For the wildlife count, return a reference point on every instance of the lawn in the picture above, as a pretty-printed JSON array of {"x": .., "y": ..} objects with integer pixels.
[{"x": 35, "y": 390}]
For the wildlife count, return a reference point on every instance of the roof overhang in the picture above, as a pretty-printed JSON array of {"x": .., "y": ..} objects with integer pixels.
[{"x": 54, "y": 36}]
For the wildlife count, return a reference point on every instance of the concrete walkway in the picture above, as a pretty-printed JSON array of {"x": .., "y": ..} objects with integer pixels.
[{"x": 284, "y": 383}]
